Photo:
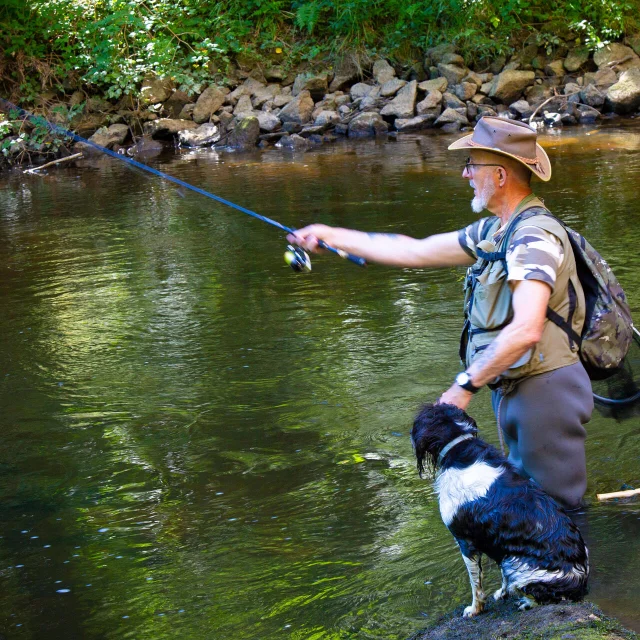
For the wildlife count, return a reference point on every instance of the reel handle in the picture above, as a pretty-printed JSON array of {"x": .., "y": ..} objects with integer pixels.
[{"x": 361, "y": 262}]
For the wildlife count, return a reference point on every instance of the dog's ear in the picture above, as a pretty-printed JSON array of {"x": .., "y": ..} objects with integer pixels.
[{"x": 468, "y": 424}]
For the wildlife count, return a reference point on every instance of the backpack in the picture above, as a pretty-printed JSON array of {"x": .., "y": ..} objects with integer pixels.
[{"x": 607, "y": 332}]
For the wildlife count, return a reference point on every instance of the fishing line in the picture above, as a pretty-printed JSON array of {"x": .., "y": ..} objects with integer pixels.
[{"x": 295, "y": 257}]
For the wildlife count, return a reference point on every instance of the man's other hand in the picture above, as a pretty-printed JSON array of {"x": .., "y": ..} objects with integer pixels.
[{"x": 456, "y": 395}]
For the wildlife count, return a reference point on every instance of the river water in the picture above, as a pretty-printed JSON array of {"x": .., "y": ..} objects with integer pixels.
[{"x": 199, "y": 443}]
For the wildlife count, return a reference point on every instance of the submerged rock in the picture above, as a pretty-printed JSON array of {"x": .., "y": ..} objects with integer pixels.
[
  {"x": 245, "y": 135},
  {"x": 367, "y": 124},
  {"x": 205, "y": 135}
]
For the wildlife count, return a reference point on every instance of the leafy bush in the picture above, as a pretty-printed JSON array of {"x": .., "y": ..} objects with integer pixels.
[{"x": 114, "y": 44}]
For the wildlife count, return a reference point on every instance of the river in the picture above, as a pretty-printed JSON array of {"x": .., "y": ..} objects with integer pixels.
[{"x": 199, "y": 443}]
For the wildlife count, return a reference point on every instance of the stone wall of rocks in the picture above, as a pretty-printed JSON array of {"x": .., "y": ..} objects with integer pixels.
[{"x": 264, "y": 107}]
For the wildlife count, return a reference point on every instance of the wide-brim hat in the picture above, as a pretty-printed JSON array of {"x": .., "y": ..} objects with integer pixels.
[{"x": 510, "y": 138}]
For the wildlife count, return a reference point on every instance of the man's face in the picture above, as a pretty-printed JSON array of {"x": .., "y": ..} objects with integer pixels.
[{"x": 482, "y": 179}]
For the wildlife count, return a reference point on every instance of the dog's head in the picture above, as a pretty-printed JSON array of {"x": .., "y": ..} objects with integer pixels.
[{"x": 434, "y": 427}]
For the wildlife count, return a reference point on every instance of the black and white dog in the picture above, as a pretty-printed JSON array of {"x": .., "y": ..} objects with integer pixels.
[{"x": 490, "y": 509}]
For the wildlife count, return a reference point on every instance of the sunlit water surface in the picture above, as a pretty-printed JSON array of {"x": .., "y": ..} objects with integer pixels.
[{"x": 198, "y": 443}]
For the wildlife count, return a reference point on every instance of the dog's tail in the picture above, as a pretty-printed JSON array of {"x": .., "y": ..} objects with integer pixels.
[{"x": 572, "y": 585}]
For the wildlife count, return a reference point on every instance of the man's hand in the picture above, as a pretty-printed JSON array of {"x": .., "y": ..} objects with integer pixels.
[
  {"x": 456, "y": 395},
  {"x": 308, "y": 237}
]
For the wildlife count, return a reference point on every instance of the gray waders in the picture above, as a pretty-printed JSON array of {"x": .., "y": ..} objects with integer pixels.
[{"x": 542, "y": 421}]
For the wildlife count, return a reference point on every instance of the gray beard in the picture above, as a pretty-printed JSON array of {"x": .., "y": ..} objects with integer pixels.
[{"x": 480, "y": 202}]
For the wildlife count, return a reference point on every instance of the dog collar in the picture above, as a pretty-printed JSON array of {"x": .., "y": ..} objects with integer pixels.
[{"x": 453, "y": 443}]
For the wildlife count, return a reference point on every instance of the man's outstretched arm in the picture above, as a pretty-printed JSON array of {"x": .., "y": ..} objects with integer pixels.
[{"x": 440, "y": 250}]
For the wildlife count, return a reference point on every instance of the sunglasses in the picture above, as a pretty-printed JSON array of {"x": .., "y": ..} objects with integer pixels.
[{"x": 468, "y": 164}]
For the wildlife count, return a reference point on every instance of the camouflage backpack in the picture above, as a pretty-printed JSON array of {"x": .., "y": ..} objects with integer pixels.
[{"x": 607, "y": 333}]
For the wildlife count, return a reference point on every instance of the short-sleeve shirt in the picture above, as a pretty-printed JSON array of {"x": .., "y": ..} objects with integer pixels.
[{"x": 532, "y": 254}]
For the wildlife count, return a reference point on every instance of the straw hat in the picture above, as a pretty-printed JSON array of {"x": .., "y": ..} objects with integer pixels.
[{"x": 508, "y": 138}]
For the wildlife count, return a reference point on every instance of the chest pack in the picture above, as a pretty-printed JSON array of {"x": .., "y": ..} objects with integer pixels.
[{"x": 607, "y": 332}]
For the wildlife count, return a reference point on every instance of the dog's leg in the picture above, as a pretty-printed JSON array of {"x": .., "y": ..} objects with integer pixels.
[
  {"x": 474, "y": 566},
  {"x": 503, "y": 592}
]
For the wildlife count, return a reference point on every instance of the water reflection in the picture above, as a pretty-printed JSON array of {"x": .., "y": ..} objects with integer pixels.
[{"x": 198, "y": 442}]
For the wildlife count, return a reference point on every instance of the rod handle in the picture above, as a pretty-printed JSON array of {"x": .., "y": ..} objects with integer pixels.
[{"x": 361, "y": 262}]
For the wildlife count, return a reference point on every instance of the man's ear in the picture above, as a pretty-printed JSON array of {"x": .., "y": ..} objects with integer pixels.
[{"x": 502, "y": 179}]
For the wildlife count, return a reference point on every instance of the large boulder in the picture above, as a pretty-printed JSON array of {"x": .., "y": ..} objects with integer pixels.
[
  {"x": 245, "y": 134},
  {"x": 299, "y": 110},
  {"x": 346, "y": 72},
  {"x": 327, "y": 118},
  {"x": 265, "y": 94},
  {"x": 452, "y": 72},
  {"x": 508, "y": 86},
  {"x": 579, "y": 620},
  {"x": 360, "y": 90},
  {"x": 315, "y": 83},
  {"x": 438, "y": 84},
  {"x": 604, "y": 77},
  {"x": 85, "y": 124},
  {"x": 555, "y": 68},
  {"x": 176, "y": 103},
  {"x": 404, "y": 104},
  {"x": 575, "y": 59},
  {"x": 268, "y": 122},
  {"x": 624, "y": 96},
  {"x": 624, "y": 57},
  {"x": 391, "y": 87},
  {"x": 110, "y": 136},
  {"x": 592, "y": 96},
  {"x": 437, "y": 53},
  {"x": 431, "y": 101},
  {"x": 205, "y": 135},
  {"x": 155, "y": 90},
  {"x": 383, "y": 71},
  {"x": 522, "y": 109},
  {"x": 210, "y": 100},
  {"x": 249, "y": 87},
  {"x": 451, "y": 116},
  {"x": 167, "y": 127},
  {"x": 367, "y": 124},
  {"x": 465, "y": 90},
  {"x": 243, "y": 106}
]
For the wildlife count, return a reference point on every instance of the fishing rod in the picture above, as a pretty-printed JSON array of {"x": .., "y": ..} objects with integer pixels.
[{"x": 295, "y": 257}]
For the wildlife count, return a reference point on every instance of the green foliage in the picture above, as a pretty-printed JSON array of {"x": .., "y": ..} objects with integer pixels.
[
  {"x": 114, "y": 44},
  {"x": 20, "y": 137}
]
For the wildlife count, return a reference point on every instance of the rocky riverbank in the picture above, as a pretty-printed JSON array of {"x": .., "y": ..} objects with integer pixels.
[
  {"x": 568, "y": 621},
  {"x": 356, "y": 98}
]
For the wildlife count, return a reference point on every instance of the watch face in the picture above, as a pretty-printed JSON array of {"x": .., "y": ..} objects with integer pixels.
[{"x": 463, "y": 378}]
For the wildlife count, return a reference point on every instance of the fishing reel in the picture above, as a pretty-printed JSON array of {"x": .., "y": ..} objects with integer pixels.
[{"x": 297, "y": 259}]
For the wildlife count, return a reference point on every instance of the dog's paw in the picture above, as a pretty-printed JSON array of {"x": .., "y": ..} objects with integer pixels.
[
  {"x": 526, "y": 603},
  {"x": 500, "y": 594},
  {"x": 472, "y": 610}
]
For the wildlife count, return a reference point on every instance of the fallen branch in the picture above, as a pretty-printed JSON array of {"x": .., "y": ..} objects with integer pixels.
[
  {"x": 618, "y": 494},
  {"x": 548, "y": 100},
  {"x": 60, "y": 160},
  {"x": 615, "y": 63}
]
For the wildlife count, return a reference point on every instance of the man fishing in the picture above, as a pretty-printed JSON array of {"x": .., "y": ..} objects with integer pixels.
[{"x": 541, "y": 393}]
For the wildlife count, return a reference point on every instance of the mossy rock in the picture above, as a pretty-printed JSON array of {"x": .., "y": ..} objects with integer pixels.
[{"x": 565, "y": 621}]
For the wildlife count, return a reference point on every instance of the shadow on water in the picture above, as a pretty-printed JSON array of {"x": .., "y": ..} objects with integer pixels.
[{"x": 199, "y": 442}]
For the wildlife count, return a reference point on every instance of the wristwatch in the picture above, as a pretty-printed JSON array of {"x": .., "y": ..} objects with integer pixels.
[{"x": 463, "y": 379}]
